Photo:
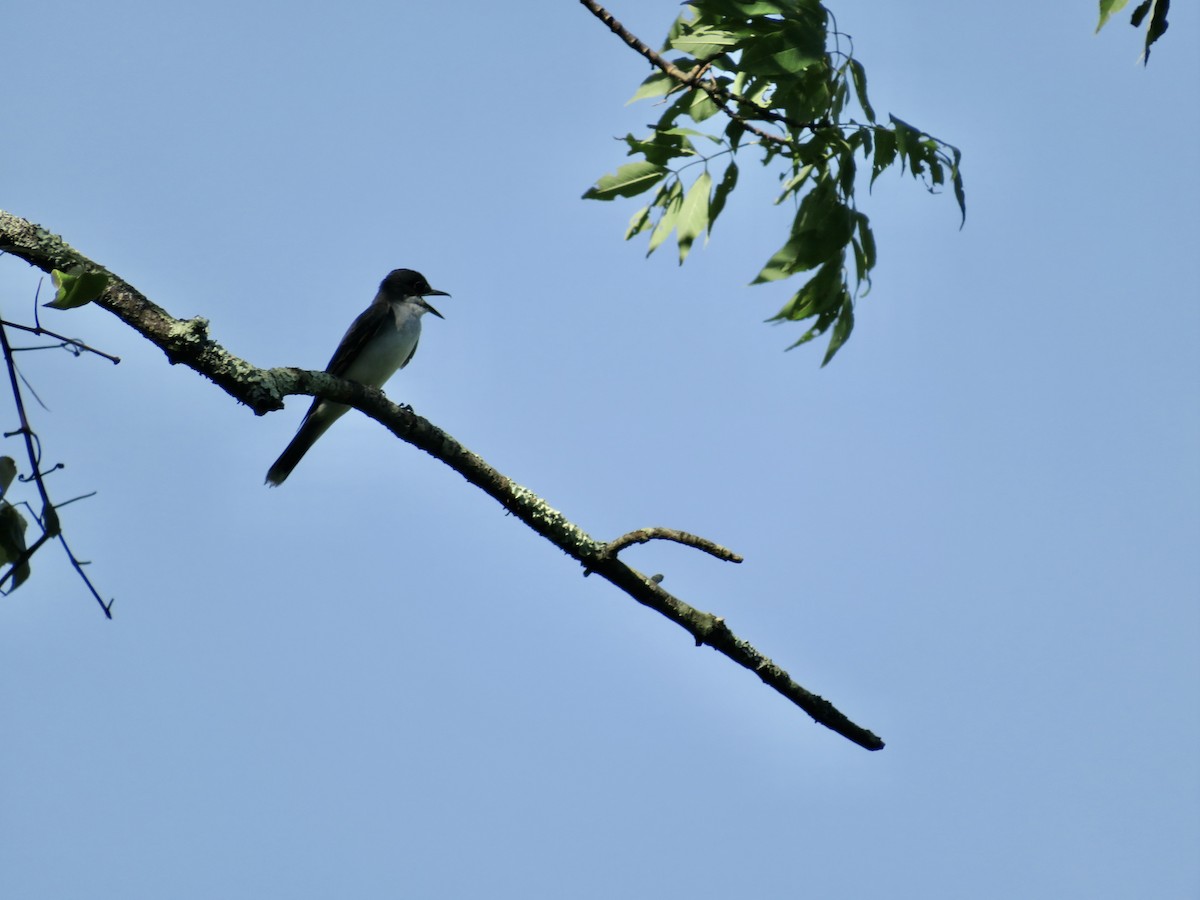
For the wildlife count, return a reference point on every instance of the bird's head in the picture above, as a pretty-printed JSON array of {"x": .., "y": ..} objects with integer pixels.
[{"x": 405, "y": 284}]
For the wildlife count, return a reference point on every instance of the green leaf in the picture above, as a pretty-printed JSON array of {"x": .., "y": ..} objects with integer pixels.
[
  {"x": 841, "y": 330},
  {"x": 680, "y": 107},
  {"x": 847, "y": 168},
  {"x": 702, "y": 106},
  {"x": 885, "y": 152},
  {"x": 864, "y": 248},
  {"x": 733, "y": 133},
  {"x": 638, "y": 223},
  {"x": 821, "y": 293},
  {"x": 936, "y": 175},
  {"x": 671, "y": 202},
  {"x": 76, "y": 287},
  {"x": 1157, "y": 28},
  {"x": 821, "y": 229},
  {"x": 840, "y": 92},
  {"x": 693, "y": 215},
  {"x": 860, "y": 261},
  {"x": 661, "y": 147},
  {"x": 655, "y": 85},
  {"x": 721, "y": 194},
  {"x": 776, "y": 54},
  {"x": 781, "y": 264},
  {"x": 702, "y": 42},
  {"x": 793, "y": 60},
  {"x": 956, "y": 179},
  {"x": 628, "y": 181},
  {"x": 680, "y": 25},
  {"x": 8, "y": 471},
  {"x": 691, "y": 132},
  {"x": 12, "y": 541},
  {"x": 859, "y": 76},
  {"x": 758, "y": 91},
  {"x": 1156, "y": 9},
  {"x": 910, "y": 146},
  {"x": 743, "y": 9},
  {"x": 770, "y": 56},
  {"x": 1107, "y": 8},
  {"x": 828, "y": 302},
  {"x": 793, "y": 183}
]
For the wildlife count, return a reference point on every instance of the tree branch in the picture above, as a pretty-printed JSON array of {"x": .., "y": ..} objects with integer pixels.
[
  {"x": 72, "y": 345},
  {"x": 720, "y": 95},
  {"x": 263, "y": 390},
  {"x": 644, "y": 535},
  {"x": 48, "y": 519},
  {"x": 182, "y": 340}
]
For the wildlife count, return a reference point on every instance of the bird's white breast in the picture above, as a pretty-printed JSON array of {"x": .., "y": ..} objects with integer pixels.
[{"x": 389, "y": 351}]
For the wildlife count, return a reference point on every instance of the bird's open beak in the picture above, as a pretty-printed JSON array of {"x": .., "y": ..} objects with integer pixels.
[{"x": 425, "y": 303}]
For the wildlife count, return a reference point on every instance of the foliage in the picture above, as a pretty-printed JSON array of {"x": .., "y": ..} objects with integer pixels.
[
  {"x": 765, "y": 68},
  {"x": 1155, "y": 9},
  {"x": 76, "y": 288}
]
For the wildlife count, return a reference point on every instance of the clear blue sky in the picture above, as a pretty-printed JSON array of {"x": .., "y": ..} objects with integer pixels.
[{"x": 977, "y": 532}]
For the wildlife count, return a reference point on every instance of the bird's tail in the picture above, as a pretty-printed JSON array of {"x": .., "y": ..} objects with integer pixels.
[{"x": 315, "y": 424}]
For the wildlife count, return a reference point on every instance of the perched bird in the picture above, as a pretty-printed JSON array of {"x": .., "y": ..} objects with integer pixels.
[{"x": 381, "y": 341}]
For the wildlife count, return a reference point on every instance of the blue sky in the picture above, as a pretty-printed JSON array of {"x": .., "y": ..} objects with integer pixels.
[{"x": 975, "y": 532}]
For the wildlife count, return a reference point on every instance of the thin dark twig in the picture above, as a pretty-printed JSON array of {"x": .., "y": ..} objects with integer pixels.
[
  {"x": 78, "y": 565},
  {"x": 25, "y": 381},
  {"x": 70, "y": 346},
  {"x": 74, "y": 345},
  {"x": 643, "y": 535},
  {"x": 86, "y": 496},
  {"x": 25, "y": 431},
  {"x": 48, "y": 519}
]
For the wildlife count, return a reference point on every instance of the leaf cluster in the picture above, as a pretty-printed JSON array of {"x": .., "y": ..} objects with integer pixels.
[
  {"x": 775, "y": 76},
  {"x": 1153, "y": 12}
]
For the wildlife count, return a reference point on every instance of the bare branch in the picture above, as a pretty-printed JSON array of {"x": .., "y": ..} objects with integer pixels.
[
  {"x": 25, "y": 431},
  {"x": 182, "y": 340},
  {"x": 644, "y": 535},
  {"x": 263, "y": 390},
  {"x": 74, "y": 345},
  {"x": 48, "y": 520},
  {"x": 637, "y": 44},
  {"x": 78, "y": 565}
]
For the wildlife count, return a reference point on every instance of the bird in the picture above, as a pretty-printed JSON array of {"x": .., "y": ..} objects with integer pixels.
[{"x": 381, "y": 341}]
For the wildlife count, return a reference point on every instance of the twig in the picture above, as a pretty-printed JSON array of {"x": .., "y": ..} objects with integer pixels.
[
  {"x": 48, "y": 520},
  {"x": 75, "y": 345},
  {"x": 86, "y": 496},
  {"x": 643, "y": 535},
  {"x": 78, "y": 565},
  {"x": 25, "y": 431},
  {"x": 263, "y": 390}
]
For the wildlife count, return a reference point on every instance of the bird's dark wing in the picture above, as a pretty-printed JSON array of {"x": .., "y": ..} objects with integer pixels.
[
  {"x": 411, "y": 353},
  {"x": 365, "y": 327},
  {"x": 375, "y": 317}
]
